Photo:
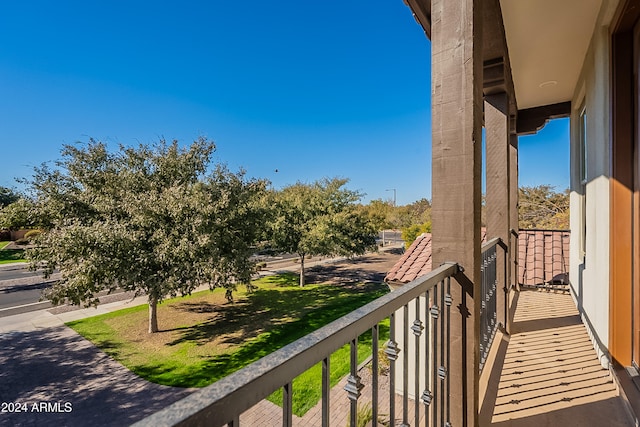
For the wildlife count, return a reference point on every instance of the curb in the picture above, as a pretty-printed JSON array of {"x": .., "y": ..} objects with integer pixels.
[{"x": 25, "y": 308}]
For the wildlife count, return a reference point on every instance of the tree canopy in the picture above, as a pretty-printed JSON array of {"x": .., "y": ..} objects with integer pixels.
[
  {"x": 319, "y": 219},
  {"x": 152, "y": 219},
  {"x": 542, "y": 207},
  {"x": 7, "y": 196},
  {"x": 19, "y": 214}
]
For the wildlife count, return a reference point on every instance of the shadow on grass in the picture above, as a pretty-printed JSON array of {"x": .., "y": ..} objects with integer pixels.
[
  {"x": 297, "y": 312},
  {"x": 283, "y": 279},
  {"x": 264, "y": 309},
  {"x": 11, "y": 255},
  {"x": 342, "y": 274}
]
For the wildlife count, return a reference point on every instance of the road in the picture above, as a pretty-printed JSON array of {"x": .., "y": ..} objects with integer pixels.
[
  {"x": 11, "y": 296},
  {"x": 20, "y": 287},
  {"x": 17, "y": 273}
]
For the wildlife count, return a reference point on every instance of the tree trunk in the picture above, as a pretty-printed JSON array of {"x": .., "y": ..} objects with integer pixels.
[
  {"x": 153, "y": 314},
  {"x": 301, "y": 270}
]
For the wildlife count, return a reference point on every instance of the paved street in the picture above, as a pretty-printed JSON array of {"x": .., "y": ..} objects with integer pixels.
[
  {"x": 22, "y": 288},
  {"x": 16, "y": 295}
]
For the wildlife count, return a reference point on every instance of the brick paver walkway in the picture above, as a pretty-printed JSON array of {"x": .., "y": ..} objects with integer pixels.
[{"x": 71, "y": 383}]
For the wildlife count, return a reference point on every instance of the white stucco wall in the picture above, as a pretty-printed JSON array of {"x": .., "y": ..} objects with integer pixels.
[
  {"x": 590, "y": 269},
  {"x": 410, "y": 349}
]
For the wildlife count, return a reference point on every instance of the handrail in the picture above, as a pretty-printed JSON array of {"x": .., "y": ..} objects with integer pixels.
[
  {"x": 493, "y": 242},
  {"x": 223, "y": 401}
]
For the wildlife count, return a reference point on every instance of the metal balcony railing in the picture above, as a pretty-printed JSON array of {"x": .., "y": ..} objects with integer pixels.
[
  {"x": 489, "y": 297},
  {"x": 429, "y": 299}
]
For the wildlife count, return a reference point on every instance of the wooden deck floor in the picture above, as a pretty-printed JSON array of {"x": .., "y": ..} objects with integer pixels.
[{"x": 551, "y": 375}]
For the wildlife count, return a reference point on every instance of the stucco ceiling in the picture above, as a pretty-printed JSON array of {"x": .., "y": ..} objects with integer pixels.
[{"x": 547, "y": 42}]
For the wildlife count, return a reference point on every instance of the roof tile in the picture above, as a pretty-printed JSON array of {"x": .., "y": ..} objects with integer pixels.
[{"x": 542, "y": 256}]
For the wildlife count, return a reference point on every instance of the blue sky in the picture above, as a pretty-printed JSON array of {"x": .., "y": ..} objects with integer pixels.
[{"x": 312, "y": 89}]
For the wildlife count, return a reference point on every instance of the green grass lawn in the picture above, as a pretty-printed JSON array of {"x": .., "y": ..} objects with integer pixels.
[
  {"x": 203, "y": 338},
  {"x": 10, "y": 255}
]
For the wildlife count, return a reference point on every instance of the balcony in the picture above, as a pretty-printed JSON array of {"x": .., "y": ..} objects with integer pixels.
[{"x": 545, "y": 371}]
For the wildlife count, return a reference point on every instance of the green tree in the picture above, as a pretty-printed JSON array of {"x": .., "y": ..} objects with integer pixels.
[
  {"x": 7, "y": 196},
  {"x": 19, "y": 214},
  {"x": 418, "y": 212},
  {"x": 152, "y": 219},
  {"x": 411, "y": 233},
  {"x": 379, "y": 214},
  {"x": 319, "y": 219},
  {"x": 542, "y": 207}
]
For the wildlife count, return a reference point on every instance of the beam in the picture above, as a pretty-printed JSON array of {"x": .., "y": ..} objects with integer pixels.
[
  {"x": 422, "y": 13},
  {"x": 495, "y": 54},
  {"x": 531, "y": 120}
]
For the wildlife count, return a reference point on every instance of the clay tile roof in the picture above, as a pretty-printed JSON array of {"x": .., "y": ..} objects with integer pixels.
[
  {"x": 543, "y": 256},
  {"x": 416, "y": 261}
]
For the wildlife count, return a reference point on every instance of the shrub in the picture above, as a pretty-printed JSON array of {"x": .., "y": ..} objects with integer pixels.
[
  {"x": 22, "y": 241},
  {"x": 410, "y": 233},
  {"x": 32, "y": 233},
  {"x": 365, "y": 416}
]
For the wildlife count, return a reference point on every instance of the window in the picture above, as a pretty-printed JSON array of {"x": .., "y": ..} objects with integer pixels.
[{"x": 582, "y": 134}]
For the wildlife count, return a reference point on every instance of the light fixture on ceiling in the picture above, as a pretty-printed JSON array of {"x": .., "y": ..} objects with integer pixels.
[{"x": 548, "y": 83}]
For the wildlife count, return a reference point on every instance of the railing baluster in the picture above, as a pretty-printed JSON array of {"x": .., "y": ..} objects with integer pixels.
[
  {"x": 434, "y": 316},
  {"x": 392, "y": 353},
  {"x": 443, "y": 366},
  {"x": 375, "y": 331},
  {"x": 506, "y": 251},
  {"x": 448, "y": 301},
  {"x": 326, "y": 386},
  {"x": 426, "y": 394},
  {"x": 287, "y": 409},
  {"x": 483, "y": 305},
  {"x": 353, "y": 385},
  {"x": 465, "y": 358},
  {"x": 405, "y": 371},
  {"x": 417, "y": 331}
]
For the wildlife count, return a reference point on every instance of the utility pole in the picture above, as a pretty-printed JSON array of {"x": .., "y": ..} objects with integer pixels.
[{"x": 394, "y": 205}]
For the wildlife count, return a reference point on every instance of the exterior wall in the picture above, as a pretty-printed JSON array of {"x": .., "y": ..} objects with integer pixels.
[
  {"x": 589, "y": 273},
  {"x": 17, "y": 234},
  {"x": 410, "y": 349}
]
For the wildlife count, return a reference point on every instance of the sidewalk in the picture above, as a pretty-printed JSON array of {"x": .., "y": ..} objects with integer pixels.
[{"x": 42, "y": 319}]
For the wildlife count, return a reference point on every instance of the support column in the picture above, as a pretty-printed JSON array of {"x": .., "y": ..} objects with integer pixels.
[
  {"x": 513, "y": 199},
  {"x": 456, "y": 51},
  {"x": 498, "y": 208}
]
